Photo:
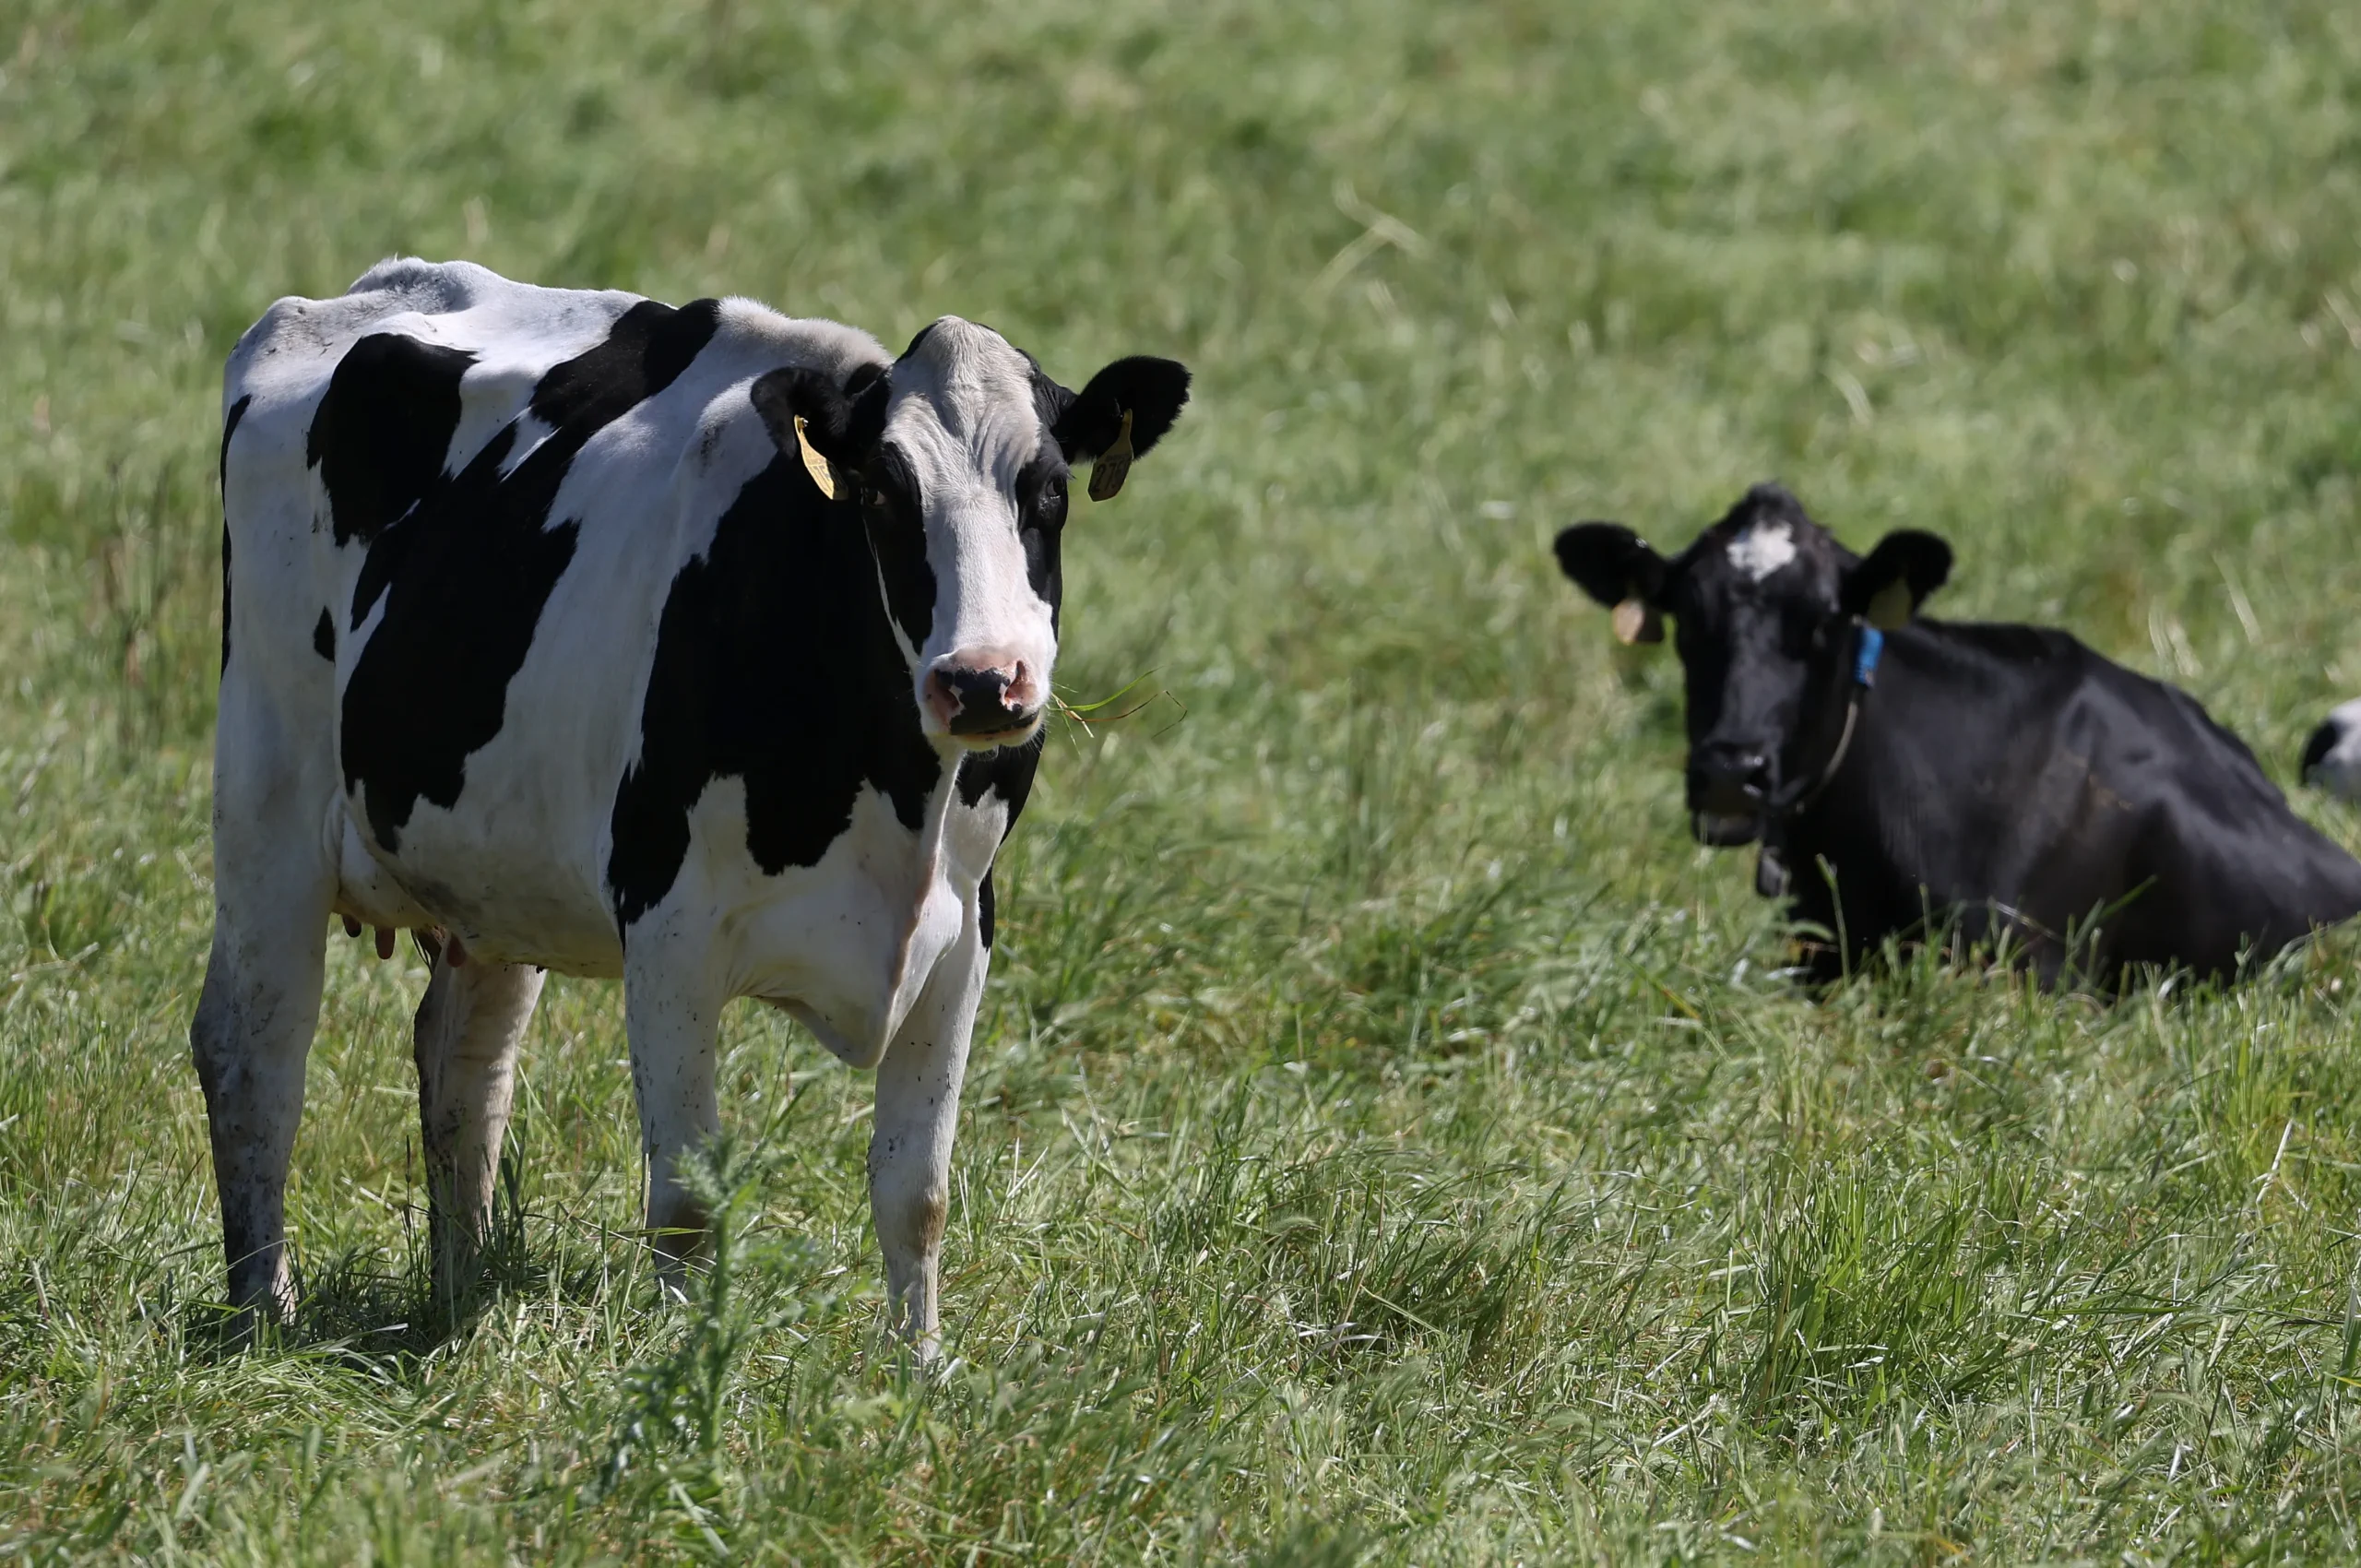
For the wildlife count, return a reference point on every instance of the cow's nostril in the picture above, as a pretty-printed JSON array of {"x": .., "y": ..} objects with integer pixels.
[
  {"x": 980, "y": 687},
  {"x": 981, "y": 699}
]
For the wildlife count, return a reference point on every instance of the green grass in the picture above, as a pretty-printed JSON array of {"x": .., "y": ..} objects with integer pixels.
[{"x": 1389, "y": 1139}]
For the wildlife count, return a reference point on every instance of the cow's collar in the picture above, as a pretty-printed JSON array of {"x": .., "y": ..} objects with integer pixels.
[{"x": 1771, "y": 873}]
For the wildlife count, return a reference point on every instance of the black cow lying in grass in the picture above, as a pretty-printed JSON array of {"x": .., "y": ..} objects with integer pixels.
[{"x": 2000, "y": 783}]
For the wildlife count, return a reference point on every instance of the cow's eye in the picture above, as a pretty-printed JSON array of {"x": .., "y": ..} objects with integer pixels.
[{"x": 1050, "y": 503}]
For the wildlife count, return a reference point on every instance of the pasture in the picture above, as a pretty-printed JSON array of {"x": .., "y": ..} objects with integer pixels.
[{"x": 1388, "y": 1138}]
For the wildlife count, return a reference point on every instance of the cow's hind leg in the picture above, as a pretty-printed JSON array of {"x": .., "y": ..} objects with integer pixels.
[
  {"x": 250, "y": 1038},
  {"x": 909, "y": 1146},
  {"x": 469, "y": 1026}
]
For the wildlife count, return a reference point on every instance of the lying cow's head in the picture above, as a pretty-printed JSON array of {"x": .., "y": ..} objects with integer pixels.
[
  {"x": 959, "y": 454},
  {"x": 1764, "y": 602}
]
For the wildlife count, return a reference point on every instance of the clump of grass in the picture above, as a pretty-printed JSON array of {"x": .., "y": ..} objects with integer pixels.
[{"x": 667, "y": 1442}]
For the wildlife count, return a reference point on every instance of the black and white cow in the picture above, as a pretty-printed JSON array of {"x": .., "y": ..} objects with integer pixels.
[
  {"x": 2002, "y": 776},
  {"x": 700, "y": 646}
]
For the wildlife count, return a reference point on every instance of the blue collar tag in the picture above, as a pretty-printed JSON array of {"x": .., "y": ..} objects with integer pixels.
[{"x": 1865, "y": 655}]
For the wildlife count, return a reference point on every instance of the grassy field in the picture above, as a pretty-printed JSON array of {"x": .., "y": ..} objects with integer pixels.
[{"x": 1390, "y": 1140}]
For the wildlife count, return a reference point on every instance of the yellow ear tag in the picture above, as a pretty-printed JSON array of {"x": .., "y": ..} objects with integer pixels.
[
  {"x": 1890, "y": 607},
  {"x": 814, "y": 464},
  {"x": 1106, "y": 472},
  {"x": 1637, "y": 622}
]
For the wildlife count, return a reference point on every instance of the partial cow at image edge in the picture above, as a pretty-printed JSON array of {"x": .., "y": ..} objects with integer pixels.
[
  {"x": 2331, "y": 760},
  {"x": 1991, "y": 786}
]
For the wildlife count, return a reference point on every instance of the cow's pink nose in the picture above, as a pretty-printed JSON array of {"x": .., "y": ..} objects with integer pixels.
[{"x": 982, "y": 694}]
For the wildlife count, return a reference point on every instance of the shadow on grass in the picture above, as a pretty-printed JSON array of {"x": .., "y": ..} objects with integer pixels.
[{"x": 385, "y": 1315}]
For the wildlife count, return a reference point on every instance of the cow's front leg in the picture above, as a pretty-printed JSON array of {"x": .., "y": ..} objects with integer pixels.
[
  {"x": 469, "y": 1026},
  {"x": 909, "y": 1148},
  {"x": 672, "y": 1013}
]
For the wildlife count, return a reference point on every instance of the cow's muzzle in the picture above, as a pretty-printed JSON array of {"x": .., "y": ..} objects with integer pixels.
[
  {"x": 984, "y": 699},
  {"x": 1729, "y": 789}
]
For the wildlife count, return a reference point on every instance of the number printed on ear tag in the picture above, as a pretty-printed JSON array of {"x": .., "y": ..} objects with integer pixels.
[
  {"x": 814, "y": 464},
  {"x": 1107, "y": 473}
]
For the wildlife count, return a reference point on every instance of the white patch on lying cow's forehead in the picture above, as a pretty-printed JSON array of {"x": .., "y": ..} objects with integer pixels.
[
  {"x": 964, "y": 398},
  {"x": 1761, "y": 549}
]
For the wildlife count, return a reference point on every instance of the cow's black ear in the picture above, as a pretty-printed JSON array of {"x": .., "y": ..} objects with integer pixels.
[
  {"x": 1619, "y": 569},
  {"x": 1610, "y": 563},
  {"x": 1150, "y": 390},
  {"x": 1890, "y": 583},
  {"x": 842, "y": 420}
]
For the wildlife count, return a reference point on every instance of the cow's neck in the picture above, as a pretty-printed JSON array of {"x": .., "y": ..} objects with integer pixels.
[{"x": 1863, "y": 828}]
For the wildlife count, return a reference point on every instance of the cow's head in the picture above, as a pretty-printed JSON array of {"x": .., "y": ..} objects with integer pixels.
[
  {"x": 959, "y": 454},
  {"x": 1763, "y": 604}
]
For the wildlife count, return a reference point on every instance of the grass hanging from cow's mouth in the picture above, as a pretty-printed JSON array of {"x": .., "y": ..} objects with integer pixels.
[{"x": 1090, "y": 716}]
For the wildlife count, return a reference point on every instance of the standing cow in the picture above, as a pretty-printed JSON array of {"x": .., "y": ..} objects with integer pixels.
[
  {"x": 699, "y": 647},
  {"x": 2005, "y": 777}
]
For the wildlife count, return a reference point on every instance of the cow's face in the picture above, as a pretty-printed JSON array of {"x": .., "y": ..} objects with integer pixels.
[
  {"x": 1763, "y": 604},
  {"x": 958, "y": 456}
]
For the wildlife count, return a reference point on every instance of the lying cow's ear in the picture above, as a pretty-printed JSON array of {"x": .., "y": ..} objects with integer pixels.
[
  {"x": 841, "y": 421},
  {"x": 1121, "y": 414},
  {"x": 1619, "y": 569},
  {"x": 1892, "y": 580}
]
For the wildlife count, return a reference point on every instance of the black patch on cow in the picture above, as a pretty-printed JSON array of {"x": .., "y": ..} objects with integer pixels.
[
  {"x": 1041, "y": 500},
  {"x": 2323, "y": 741},
  {"x": 1008, "y": 773},
  {"x": 728, "y": 697},
  {"x": 229, "y": 429},
  {"x": 891, "y": 513},
  {"x": 324, "y": 636},
  {"x": 1005, "y": 771},
  {"x": 383, "y": 429},
  {"x": 646, "y": 351},
  {"x": 1049, "y": 400},
  {"x": 466, "y": 567}
]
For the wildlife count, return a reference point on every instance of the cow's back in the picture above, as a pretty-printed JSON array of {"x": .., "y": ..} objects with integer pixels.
[
  {"x": 2014, "y": 774},
  {"x": 456, "y": 504},
  {"x": 2229, "y": 863}
]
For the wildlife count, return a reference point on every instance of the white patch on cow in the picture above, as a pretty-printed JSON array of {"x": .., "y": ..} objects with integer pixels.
[
  {"x": 964, "y": 418},
  {"x": 1762, "y": 549}
]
